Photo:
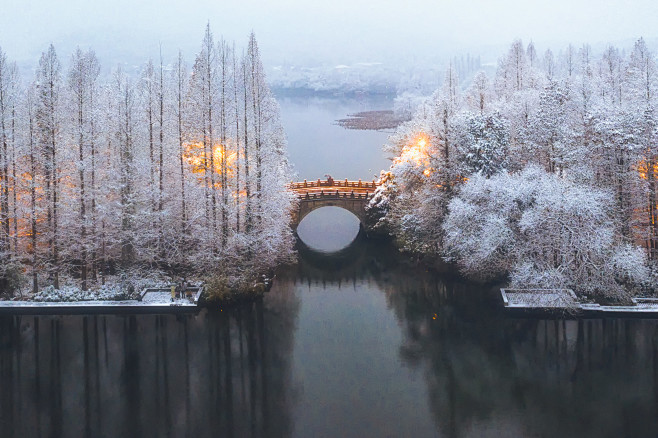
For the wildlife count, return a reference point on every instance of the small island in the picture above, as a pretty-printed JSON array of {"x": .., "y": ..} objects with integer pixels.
[{"x": 374, "y": 120}]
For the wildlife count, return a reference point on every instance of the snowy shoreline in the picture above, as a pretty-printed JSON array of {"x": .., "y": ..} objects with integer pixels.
[
  {"x": 92, "y": 307},
  {"x": 151, "y": 300},
  {"x": 530, "y": 301}
]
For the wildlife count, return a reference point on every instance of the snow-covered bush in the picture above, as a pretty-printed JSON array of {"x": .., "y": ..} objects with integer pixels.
[
  {"x": 12, "y": 278},
  {"x": 630, "y": 265},
  {"x": 542, "y": 230},
  {"x": 526, "y": 275},
  {"x": 72, "y": 293},
  {"x": 480, "y": 229},
  {"x": 380, "y": 204}
]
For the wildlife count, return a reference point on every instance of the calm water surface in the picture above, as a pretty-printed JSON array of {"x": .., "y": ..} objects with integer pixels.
[{"x": 354, "y": 341}]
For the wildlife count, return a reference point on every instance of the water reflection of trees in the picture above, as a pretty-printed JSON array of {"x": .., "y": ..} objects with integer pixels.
[
  {"x": 228, "y": 373},
  {"x": 488, "y": 375},
  {"x": 361, "y": 259},
  {"x": 492, "y": 375},
  {"x": 221, "y": 373}
]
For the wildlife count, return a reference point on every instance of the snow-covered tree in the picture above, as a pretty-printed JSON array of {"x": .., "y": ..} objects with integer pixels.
[
  {"x": 544, "y": 230},
  {"x": 550, "y": 66},
  {"x": 611, "y": 71},
  {"x": 586, "y": 119},
  {"x": 125, "y": 127},
  {"x": 642, "y": 75},
  {"x": 9, "y": 211},
  {"x": 479, "y": 94},
  {"x": 482, "y": 143},
  {"x": 179, "y": 109},
  {"x": 48, "y": 120},
  {"x": 181, "y": 172},
  {"x": 548, "y": 128},
  {"x": 6, "y": 139},
  {"x": 82, "y": 93},
  {"x": 513, "y": 69}
]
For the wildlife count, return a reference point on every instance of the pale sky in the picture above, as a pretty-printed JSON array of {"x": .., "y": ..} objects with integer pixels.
[{"x": 325, "y": 31}]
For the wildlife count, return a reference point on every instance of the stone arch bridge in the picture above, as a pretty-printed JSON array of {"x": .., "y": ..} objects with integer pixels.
[{"x": 352, "y": 196}]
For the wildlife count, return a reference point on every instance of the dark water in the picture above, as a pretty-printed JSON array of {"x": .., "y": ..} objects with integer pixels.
[{"x": 357, "y": 343}]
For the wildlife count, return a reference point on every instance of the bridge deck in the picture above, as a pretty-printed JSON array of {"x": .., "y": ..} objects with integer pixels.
[
  {"x": 333, "y": 183},
  {"x": 337, "y": 194},
  {"x": 350, "y": 195},
  {"x": 331, "y": 187}
]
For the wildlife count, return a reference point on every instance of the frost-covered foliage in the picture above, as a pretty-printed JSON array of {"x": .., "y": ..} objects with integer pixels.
[
  {"x": 173, "y": 168},
  {"x": 629, "y": 265},
  {"x": 378, "y": 207},
  {"x": 126, "y": 286},
  {"x": 546, "y": 231},
  {"x": 407, "y": 195},
  {"x": 74, "y": 293},
  {"x": 578, "y": 134},
  {"x": 482, "y": 143},
  {"x": 406, "y": 104}
]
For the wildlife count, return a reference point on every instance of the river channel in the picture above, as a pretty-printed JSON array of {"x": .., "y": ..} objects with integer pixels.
[{"x": 355, "y": 340}]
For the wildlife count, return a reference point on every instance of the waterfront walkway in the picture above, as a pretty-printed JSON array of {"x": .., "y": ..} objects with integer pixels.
[
  {"x": 546, "y": 300},
  {"x": 152, "y": 300}
]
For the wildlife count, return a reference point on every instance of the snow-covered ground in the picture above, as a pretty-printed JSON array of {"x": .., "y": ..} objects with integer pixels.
[
  {"x": 538, "y": 299},
  {"x": 63, "y": 301},
  {"x": 84, "y": 307},
  {"x": 112, "y": 292}
]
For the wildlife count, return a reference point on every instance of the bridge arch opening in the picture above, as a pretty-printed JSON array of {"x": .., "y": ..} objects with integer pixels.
[{"x": 328, "y": 229}]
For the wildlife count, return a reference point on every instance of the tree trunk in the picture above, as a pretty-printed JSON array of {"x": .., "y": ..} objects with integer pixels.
[
  {"x": 237, "y": 145},
  {"x": 81, "y": 173},
  {"x": 247, "y": 181},
  {"x": 181, "y": 150}
]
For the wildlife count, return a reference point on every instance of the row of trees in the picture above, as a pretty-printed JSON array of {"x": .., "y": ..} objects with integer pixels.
[
  {"x": 172, "y": 168},
  {"x": 548, "y": 171}
]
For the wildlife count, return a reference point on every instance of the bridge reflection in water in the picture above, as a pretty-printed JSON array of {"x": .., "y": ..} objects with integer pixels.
[
  {"x": 487, "y": 374},
  {"x": 243, "y": 372}
]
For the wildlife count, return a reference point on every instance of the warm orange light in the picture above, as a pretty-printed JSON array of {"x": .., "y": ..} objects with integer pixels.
[
  {"x": 643, "y": 169},
  {"x": 196, "y": 156},
  {"x": 416, "y": 153}
]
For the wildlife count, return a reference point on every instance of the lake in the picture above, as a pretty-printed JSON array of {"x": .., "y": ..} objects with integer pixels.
[{"x": 356, "y": 340}]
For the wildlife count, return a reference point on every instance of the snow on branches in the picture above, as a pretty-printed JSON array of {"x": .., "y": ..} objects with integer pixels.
[
  {"x": 177, "y": 169},
  {"x": 546, "y": 173},
  {"x": 548, "y": 232}
]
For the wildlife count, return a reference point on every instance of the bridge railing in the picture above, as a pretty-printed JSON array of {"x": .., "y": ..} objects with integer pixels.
[
  {"x": 330, "y": 182},
  {"x": 335, "y": 194}
]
